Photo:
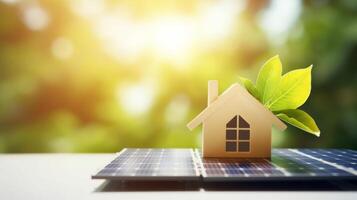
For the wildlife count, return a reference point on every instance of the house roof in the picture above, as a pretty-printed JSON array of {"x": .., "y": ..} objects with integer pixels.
[{"x": 226, "y": 96}]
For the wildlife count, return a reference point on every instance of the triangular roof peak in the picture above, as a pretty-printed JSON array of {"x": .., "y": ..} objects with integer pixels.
[{"x": 227, "y": 95}]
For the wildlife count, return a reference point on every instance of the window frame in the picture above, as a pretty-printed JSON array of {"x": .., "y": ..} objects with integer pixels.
[{"x": 237, "y": 130}]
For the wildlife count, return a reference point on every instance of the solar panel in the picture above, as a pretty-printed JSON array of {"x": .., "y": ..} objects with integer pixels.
[
  {"x": 188, "y": 164},
  {"x": 151, "y": 164},
  {"x": 285, "y": 164}
]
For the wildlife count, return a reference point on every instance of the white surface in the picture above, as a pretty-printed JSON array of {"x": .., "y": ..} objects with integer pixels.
[{"x": 67, "y": 176}]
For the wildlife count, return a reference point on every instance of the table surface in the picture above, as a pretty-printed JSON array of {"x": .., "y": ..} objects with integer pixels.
[{"x": 68, "y": 176}]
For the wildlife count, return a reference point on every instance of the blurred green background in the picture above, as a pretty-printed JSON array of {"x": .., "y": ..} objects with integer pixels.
[{"x": 98, "y": 76}]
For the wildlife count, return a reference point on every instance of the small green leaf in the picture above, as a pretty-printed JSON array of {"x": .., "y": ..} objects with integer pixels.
[
  {"x": 299, "y": 119},
  {"x": 293, "y": 90},
  {"x": 268, "y": 79},
  {"x": 248, "y": 84}
]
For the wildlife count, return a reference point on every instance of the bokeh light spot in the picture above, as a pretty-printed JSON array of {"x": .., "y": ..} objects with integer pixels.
[
  {"x": 35, "y": 17},
  {"x": 62, "y": 48},
  {"x": 177, "y": 110},
  {"x": 136, "y": 99}
]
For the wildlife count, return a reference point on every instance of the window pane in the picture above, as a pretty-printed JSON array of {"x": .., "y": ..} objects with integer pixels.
[
  {"x": 232, "y": 123},
  {"x": 231, "y": 134},
  {"x": 243, "y": 146},
  {"x": 231, "y": 146},
  {"x": 243, "y": 123},
  {"x": 244, "y": 134}
]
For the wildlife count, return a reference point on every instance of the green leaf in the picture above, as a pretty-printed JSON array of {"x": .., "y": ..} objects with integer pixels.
[
  {"x": 268, "y": 79},
  {"x": 248, "y": 84},
  {"x": 293, "y": 90},
  {"x": 299, "y": 119}
]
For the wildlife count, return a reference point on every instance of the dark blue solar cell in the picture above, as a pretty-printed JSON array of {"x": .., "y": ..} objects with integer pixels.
[
  {"x": 246, "y": 165},
  {"x": 233, "y": 171},
  {"x": 351, "y": 165}
]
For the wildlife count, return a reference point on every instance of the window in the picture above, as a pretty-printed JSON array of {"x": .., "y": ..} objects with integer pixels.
[{"x": 237, "y": 135}]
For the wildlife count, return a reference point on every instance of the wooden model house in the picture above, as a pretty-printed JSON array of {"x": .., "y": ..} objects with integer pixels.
[{"x": 235, "y": 124}]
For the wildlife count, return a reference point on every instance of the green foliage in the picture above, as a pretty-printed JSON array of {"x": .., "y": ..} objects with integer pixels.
[
  {"x": 284, "y": 94},
  {"x": 269, "y": 76},
  {"x": 299, "y": 119},
  {"x": 293, "y": 90}
]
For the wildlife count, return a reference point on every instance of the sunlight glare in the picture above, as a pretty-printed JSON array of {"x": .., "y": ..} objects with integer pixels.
[
  {"x": 216, "y": 19},
  {"x": 122, "y": 38},
  {"x": 173, "y": 37}
]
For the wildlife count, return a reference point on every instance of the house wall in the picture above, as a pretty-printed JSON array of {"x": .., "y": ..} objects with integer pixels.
[{"x": 214, "y": 127}]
